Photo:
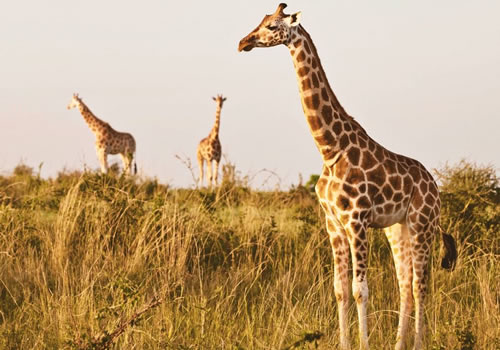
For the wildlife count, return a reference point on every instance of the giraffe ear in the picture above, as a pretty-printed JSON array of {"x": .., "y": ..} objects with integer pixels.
[
  {"x": 225, "y": 98},
  {"x": 213, "y": 98},
  {"x": 293, "y": 20}
]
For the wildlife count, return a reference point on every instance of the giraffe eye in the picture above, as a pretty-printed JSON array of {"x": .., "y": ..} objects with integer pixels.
[{"x": 271, "y": 27}]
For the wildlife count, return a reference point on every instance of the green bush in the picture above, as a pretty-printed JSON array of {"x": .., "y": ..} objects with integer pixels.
[{"x": 470, "y": 197}]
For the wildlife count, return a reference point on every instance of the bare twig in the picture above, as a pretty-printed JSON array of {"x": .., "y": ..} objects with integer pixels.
[
  {"x": 104, "y": 341},
  {"x": 187, "y": 162}
]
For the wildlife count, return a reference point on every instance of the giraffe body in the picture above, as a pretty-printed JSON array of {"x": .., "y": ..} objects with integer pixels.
[
  {"x": 362, "y": 185},
  {"x": 108, "y": 140},
  {"x": 209, "y": 149}
]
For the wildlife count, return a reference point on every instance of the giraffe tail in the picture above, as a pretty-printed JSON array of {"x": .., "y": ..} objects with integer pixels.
[
  {"x": 450, "y": 257},
  {"x": 135, "y": 163}
]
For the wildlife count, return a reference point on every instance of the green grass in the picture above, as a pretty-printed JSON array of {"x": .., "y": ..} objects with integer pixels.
[{"x": 93, "y": 262}]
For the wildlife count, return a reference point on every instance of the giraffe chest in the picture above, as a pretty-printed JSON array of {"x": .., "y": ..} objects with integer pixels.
[{"x": 211, "y": 149}]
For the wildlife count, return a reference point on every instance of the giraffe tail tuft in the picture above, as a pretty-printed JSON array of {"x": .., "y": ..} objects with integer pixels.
[{"x": 450, "y": 256}]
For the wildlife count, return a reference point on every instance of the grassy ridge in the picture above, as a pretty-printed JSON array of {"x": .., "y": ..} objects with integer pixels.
[{"x": 91, "y": 262}]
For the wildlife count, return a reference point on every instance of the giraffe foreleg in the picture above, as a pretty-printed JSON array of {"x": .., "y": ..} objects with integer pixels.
[
  {"x": 340, "y": 248},
  {"x": 209, "y": 172},
  {"x": 359, "y": 254},
  {"x": 103, "y": 159},
  {"x": 399, "y": 239}
]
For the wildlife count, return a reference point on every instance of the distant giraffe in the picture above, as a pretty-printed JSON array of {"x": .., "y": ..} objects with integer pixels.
[
  {"x": 362, "y": 185},
  {"x": 108, "y": 140},
  {"x": 209, "y": 149}
]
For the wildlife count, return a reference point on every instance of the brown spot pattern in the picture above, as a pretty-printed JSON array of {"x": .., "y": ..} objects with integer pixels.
[
  {"x": 315, "y": 81},
  {"x": 314, "y": 63},
  {"x": 343, "y": 202},
  {"x": 377, "y": 175},
  {"x": 344, "y": 141},
  {"x": 303, "y": 71},
  {"x": 325, "y": 139},
  {"x": 368, "y": 161},
  {"x": 337, "y": 127},
  {"x": 306, "y": 46},
  {"x": 301, "y": 56},
  {"x": 353, "y": 155},
  {"x": 363, "y": 202},
  {"x": 324, "y": 95},
  {"x": 355, "y": 176},
  {"x": 326, "y": 112},
  {"x": 306, "y": 84},
  {"x": 349, "y": 190},
  {"x": 314, "y": 122}
]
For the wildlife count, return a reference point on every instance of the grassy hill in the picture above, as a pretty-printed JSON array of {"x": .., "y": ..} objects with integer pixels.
[{"x": 90, "y": 261}]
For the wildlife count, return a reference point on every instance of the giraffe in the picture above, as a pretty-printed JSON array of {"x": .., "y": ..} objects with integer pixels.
[
  {"x": 362, "y": 185},
  {"x": 209, "y": 149},
  {"x": 108, "y": 140}
]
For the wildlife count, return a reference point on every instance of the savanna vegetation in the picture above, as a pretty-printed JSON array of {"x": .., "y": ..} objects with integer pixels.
[{"x": 91, "y": 261}]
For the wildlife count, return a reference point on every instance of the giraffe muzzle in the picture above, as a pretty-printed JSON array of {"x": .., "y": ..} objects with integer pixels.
[{"x": 247, "y": 43}]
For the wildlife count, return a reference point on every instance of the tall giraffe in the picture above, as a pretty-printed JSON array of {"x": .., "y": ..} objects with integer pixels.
[
  {"x": 362, "y": 185},
  {"x": 108, "y": 140},
  {"x": 209, "y": 149}
]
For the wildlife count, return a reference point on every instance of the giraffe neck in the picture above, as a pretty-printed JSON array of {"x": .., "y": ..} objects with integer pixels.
[
  {"x": 215, "y": 130},
  {"x": 327, "y": 119},
  {"x": 92, "y": 121}
]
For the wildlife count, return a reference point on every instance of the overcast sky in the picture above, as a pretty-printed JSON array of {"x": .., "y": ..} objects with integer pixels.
[{"x": 423, "y": 78}]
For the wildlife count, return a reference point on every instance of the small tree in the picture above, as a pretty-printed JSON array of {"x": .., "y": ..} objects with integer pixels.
[
  {"x": 23, "y": 170},
  {"x": 311, "y": 183}
]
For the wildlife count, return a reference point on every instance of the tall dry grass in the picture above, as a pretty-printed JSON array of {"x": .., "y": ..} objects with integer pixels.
[{"x": 93, "y": 262}]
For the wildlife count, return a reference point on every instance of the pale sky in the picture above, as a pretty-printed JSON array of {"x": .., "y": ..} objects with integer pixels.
[{"x": 422, "y": 77}]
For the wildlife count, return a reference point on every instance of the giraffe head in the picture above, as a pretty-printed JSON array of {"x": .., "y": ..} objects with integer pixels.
[
  {"x": 274, "y": 29},
  {"x": 75, "y": 101},
  {"x": 219, "y": 99}
]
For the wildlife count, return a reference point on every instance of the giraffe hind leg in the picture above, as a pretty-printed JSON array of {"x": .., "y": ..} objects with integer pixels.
[
  {"x": 399, "y": 240},
  {"x": 127, "y": 163},
  {"x": 200, "y": 166},
  {"x": 421, "y": 236},
  {"x": 130, "y": 161}
]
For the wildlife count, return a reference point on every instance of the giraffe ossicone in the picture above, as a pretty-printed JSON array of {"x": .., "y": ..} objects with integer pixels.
[
  {"x": 209, "y": 149},
  {"x": 108, "y": 140},
  {"x": 362, "y": 185}
]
